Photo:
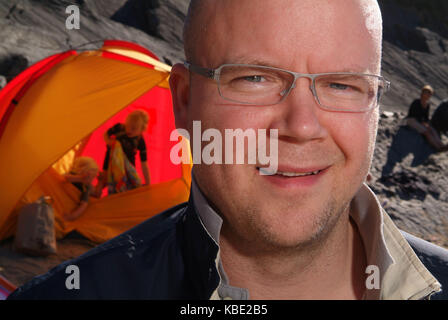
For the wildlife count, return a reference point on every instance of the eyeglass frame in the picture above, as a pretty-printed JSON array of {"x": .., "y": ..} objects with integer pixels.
[{"x": 216, "y": 73}]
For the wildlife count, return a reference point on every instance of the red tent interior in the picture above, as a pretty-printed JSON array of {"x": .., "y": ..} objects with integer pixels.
[{"x": 157, "y": 103}]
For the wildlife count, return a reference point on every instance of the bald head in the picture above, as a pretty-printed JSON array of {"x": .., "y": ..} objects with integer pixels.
[
  {"x": 203, "y": 15},
  {"x": 194, "y": 26}
]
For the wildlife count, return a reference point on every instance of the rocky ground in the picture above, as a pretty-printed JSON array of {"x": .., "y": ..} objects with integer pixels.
[{"x": 410, "y": 179}]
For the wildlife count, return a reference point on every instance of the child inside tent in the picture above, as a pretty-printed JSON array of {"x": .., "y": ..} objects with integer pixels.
[
  {"x": 82, "y": 174},
  {"x": 123, "y": 141}
]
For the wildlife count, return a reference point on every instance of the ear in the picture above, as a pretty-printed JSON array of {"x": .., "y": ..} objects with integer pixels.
[{"x": 180, "y": 92}]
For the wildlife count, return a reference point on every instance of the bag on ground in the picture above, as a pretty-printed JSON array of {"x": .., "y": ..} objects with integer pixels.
[{"x": 35, "y": 233}]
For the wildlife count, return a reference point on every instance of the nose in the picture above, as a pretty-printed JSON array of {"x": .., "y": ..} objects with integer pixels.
[{"x": 300, "y": 119}]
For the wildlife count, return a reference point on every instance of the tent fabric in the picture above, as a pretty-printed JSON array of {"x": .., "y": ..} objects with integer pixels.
[
  {"x": 131, "y": 47},
  {"x": 6, "y": 288},
  {"x": 15, "y": 89},
  {"x": 62, "y": 107},
  {"x": 104, "y": 218}
]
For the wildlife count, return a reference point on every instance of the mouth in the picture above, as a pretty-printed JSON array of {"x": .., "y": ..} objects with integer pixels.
[
  {"x": 286, "y": 174},
  {"x": 294, "y": 178}
]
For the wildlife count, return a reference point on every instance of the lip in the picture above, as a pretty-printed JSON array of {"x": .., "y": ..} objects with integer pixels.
[{"x": 297, "y": 182}]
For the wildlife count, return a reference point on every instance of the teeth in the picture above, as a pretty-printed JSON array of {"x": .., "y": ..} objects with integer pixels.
[{"x": 292, "y": 174}]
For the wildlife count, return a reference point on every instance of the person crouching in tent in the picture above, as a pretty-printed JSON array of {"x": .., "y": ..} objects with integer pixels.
[
  {"x": 123, "y": 141},
  {"x": 82, "y": 174}
]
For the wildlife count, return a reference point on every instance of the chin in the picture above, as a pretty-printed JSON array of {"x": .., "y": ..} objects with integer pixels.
[{"x": 288, "y": 228}]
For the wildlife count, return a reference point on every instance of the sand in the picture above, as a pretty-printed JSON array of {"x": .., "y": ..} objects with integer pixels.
[{"x": 19, "y": 268}]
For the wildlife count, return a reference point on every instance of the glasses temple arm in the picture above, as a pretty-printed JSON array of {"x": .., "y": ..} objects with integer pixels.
[{"x": 208, "y": 73}]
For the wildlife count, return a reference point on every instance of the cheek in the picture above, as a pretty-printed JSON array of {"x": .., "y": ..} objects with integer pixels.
[
  {"x": 215, "y": 113},
  {"x": 355, "y": 136}
]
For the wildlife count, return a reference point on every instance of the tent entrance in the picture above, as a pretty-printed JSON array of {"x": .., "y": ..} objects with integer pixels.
[{"x": 82, "y": 95}]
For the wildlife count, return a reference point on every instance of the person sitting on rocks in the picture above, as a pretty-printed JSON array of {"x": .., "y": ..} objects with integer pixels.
[
  {"x": 418, "y": 119},
  {"x": 439, "y": 120}
]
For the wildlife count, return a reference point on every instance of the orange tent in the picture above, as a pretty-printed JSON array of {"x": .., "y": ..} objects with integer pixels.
[{"x": 59, "y": 108}]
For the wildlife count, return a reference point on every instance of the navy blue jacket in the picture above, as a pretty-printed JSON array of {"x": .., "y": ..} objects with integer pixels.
[{"x": 169, "y": 256}]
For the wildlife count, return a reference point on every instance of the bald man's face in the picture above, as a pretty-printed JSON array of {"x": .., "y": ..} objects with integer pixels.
[{"x": 307, "y": 36}]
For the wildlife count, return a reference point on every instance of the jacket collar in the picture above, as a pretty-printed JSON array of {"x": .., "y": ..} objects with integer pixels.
[{"x": 199, "y": 252}]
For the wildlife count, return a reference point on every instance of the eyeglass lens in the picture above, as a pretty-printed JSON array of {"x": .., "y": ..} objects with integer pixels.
[{"x": 265, "y": 86}]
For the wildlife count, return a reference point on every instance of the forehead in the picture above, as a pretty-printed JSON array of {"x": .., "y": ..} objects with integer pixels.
[{"x": 306, "y": 35}]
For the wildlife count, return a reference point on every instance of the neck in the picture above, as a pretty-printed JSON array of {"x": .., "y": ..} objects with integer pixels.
[{"x": 333, "y": 269}]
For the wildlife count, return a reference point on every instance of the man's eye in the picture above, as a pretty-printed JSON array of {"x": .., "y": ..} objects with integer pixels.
[
  {"x": 254, "y": 78},
  {"x": 339, "y": 86}
]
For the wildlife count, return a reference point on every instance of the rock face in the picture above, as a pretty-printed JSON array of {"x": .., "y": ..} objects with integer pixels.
[
  {"x": 415, "y": 49},
  {"x": 33, "y": 29},
  {"x": 409, "y": 177}
]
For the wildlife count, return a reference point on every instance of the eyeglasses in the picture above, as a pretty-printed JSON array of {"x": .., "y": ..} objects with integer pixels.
[{"x": 262, "y": 85}]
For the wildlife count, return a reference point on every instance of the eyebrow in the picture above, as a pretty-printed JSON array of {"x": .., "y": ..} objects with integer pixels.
[{"x": 355, "y": 68}]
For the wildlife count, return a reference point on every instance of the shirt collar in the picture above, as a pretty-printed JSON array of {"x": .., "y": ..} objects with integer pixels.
[
  {"x": 365, "y": 212},
  {"x": 402, "y": 274},
  {"x": 210, "y": 219}
]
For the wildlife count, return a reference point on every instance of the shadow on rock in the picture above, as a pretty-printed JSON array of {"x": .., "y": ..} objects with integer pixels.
[
  {"x": 12, "y": 65},
  {"x": 140, "y": 15},
  {"x": 407, "y": 141},
  {"x": 409, "y": 185}
]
